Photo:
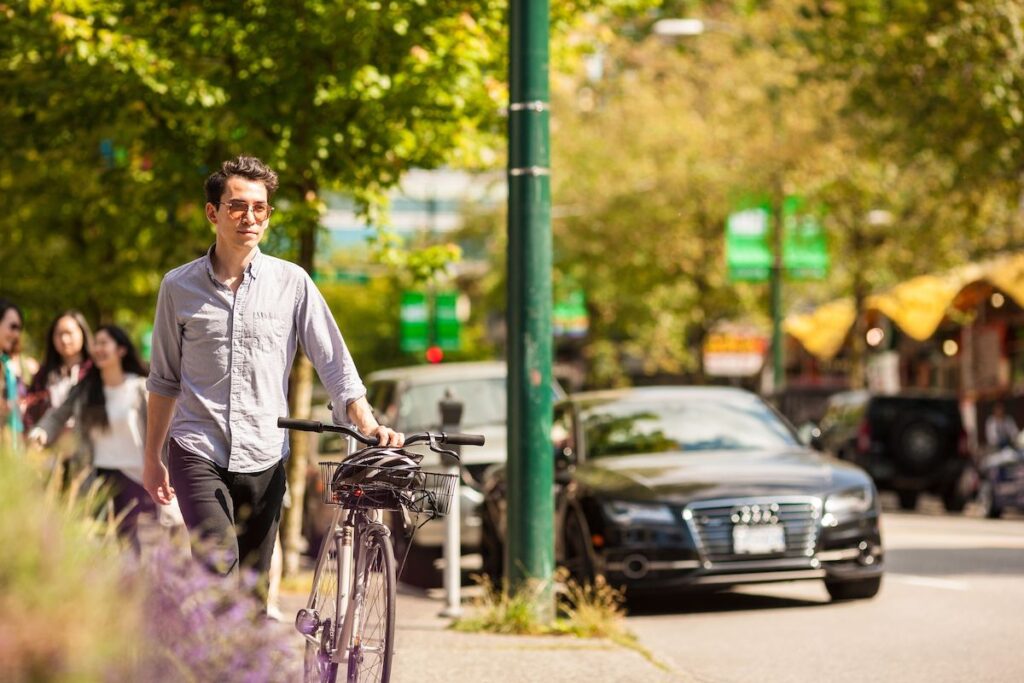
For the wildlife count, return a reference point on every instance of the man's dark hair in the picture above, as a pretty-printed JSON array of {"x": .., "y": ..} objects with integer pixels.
[{"x": 249, "y": 168}]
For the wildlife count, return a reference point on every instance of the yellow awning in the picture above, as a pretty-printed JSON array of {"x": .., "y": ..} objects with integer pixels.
[
  {"x": 1008, "y": 276},
  {"x": 823, "y": 331},
  {"x": 917, "y": 306}
]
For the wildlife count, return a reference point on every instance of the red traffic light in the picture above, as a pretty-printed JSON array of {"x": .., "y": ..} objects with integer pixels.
[{"x": 435, "y": 354}]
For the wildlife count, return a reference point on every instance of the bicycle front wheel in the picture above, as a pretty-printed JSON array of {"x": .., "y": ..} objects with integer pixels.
[
  {"x": 320, "y": 645},
  {"x": 372, "y": 609}
]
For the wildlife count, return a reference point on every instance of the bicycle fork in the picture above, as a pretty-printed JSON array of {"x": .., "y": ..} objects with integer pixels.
[{"x": 308, "y": 621}]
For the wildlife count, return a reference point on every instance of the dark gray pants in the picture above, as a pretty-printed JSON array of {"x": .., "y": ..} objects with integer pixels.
[{"x": 232, "y": 516}]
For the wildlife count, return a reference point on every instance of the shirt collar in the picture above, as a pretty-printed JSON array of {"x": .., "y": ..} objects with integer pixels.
[{"x": 253, "y": 268}]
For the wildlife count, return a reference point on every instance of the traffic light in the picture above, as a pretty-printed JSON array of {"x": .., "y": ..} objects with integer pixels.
[{"x": 434, "y": 354}]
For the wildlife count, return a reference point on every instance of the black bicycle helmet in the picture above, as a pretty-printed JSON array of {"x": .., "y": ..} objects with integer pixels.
[{"x": 392, "y": 467}]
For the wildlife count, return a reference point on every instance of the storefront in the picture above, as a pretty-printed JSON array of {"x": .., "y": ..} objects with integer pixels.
[{"x": 961, "y": 332}]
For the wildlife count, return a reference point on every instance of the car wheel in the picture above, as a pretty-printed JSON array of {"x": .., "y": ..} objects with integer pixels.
[
  {"x": 415, "y": 563},
  {"x": 987, "y": 500},
  {"x": 918, "y": 447},
  {"x": 861, "y": 589},
  {"x": 954, "y": 502},
  {"x": 908, "y": 499},
  {"x": 578, "y": 558}
]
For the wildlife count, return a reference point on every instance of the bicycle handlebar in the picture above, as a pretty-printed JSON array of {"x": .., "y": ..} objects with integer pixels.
[{"x": 439, "y": 437}]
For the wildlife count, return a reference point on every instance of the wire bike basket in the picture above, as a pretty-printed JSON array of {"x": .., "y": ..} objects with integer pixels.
[{"x": 386, "y": 488}]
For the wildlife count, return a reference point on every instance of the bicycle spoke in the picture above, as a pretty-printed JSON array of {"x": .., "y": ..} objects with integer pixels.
[{"x": 371, "y": 656}]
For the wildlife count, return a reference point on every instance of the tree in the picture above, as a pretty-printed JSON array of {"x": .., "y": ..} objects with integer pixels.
[{"x": 940, "y": 78}]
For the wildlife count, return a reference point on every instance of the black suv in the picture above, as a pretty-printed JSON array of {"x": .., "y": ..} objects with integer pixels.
[{"x": 909, "y": 443}]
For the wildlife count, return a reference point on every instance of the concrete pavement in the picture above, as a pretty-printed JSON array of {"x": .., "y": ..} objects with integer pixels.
[{"x": 427, "y": 651}]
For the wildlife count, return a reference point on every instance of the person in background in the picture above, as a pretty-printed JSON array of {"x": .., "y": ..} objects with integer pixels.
[
  {"x": 109, "y": 411},
  {"x": 11, "y": 425},
  {"x": 1000, "y": 429},
  {"x": 65, "y": 363}
]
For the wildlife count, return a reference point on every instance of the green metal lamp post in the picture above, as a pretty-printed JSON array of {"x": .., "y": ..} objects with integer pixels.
[{"x": 530, "y": 539}]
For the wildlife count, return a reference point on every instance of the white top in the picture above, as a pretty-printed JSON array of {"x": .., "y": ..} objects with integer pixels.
[
  {"x": 121, "y": 446},
  {"x": 1000, "y": 433}
]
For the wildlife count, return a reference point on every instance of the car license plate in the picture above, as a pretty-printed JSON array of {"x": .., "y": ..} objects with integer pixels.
[{"x": 758, "y": 540}]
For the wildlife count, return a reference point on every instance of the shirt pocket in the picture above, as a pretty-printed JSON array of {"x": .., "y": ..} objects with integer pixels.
[{"x": 270, "y": 330}]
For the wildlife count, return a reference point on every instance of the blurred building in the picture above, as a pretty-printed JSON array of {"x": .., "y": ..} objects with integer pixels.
[{"x": 958, "y": 332}]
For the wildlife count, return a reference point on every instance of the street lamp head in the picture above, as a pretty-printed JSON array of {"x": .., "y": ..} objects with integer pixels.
[
  {"x": 880, "y": 217},
  {"x": 679, "y": 27}
]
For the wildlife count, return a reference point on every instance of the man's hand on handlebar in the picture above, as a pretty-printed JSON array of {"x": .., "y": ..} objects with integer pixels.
[{"x": 387, "y": 436}]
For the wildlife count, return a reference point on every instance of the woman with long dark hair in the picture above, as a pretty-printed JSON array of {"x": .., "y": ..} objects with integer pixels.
[
  {"x": 65, "y": 364},
  {"x": 109, "y": 408}
]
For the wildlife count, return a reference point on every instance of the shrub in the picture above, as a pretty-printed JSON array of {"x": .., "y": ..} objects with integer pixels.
[
  {"x": 67, "y": 610},
  {"x": 76, "y": 606}
]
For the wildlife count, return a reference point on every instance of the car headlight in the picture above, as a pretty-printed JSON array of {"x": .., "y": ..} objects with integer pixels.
[
  {"x": 851, "y": 501},
  {"x": 625, "y": 513}
]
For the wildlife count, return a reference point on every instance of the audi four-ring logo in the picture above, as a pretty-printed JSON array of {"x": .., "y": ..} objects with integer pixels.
[{"x": 756, "y": 514}]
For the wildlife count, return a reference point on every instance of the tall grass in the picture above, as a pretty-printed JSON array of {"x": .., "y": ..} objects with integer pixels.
[{"x": 587, "y": 610}]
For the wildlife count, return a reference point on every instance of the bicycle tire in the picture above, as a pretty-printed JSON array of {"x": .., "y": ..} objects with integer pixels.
[
  {"x": 317, "y": 664},
  {"x": 372, "y": 608}
]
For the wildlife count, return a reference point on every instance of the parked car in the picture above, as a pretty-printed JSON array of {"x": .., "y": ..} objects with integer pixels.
[
  {"x": 1002, "y": 480},
  {"x": 909, "y": 443},
  {"x": 407, "y": 399},
  {"x": 677, "y": 488}
]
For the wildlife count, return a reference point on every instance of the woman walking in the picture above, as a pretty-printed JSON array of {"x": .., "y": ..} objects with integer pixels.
[
  {"x": 65, "y": 364},
  {"x": 109, "y": 409}
]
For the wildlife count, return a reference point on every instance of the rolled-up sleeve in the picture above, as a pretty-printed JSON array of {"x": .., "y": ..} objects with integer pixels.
[
  {"x": 165, "y": 365},
  {"x": 323, "y": 343}
]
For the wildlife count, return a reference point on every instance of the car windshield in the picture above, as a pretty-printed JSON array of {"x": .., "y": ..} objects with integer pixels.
[
  {"x": 697, "y": 423},
  {"x": 483, "y": 403}
]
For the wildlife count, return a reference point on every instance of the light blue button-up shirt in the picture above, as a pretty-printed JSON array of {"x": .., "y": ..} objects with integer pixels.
[{"x": 226, "y": 357}]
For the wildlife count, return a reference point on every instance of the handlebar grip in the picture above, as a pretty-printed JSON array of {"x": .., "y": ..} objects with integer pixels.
[
  {"x": 303, "y": 425},
  {"x": 464, "y": 439}
]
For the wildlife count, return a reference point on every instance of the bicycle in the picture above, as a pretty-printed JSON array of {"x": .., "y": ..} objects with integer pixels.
[{"x": 355, "y": 572}]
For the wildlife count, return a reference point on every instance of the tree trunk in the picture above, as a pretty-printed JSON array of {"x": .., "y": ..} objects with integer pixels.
[{"x": 300, "y": 398}]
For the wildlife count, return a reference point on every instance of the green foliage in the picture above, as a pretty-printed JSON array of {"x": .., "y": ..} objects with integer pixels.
[
  {"x": 946, "y": 77},
  {"x": 115, "y": 112}
]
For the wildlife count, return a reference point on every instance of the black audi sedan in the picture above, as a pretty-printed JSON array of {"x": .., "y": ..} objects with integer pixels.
[{"x": 675, "y": 488}]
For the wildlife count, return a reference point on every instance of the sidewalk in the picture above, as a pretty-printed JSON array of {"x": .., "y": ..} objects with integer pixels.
[{"x": 428, "y": 652}]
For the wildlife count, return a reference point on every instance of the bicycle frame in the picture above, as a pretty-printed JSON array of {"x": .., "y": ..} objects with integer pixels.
[{"x": 343, "y": 536}]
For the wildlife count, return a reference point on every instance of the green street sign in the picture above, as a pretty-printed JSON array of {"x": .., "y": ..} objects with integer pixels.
[
  {"x": 569, "y": 316},
  {"x": 423, "y": 322},
  {"x": 747, "y": 253},
  {"x": 446, "y": 321},
  {"x": 804, "y": 248},
  {"x": 414, "y": 322},
  {"x": 748, "y": 249}
]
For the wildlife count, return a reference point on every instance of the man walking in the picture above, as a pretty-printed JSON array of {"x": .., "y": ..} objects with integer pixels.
[{"x": 225, "y": 334}]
